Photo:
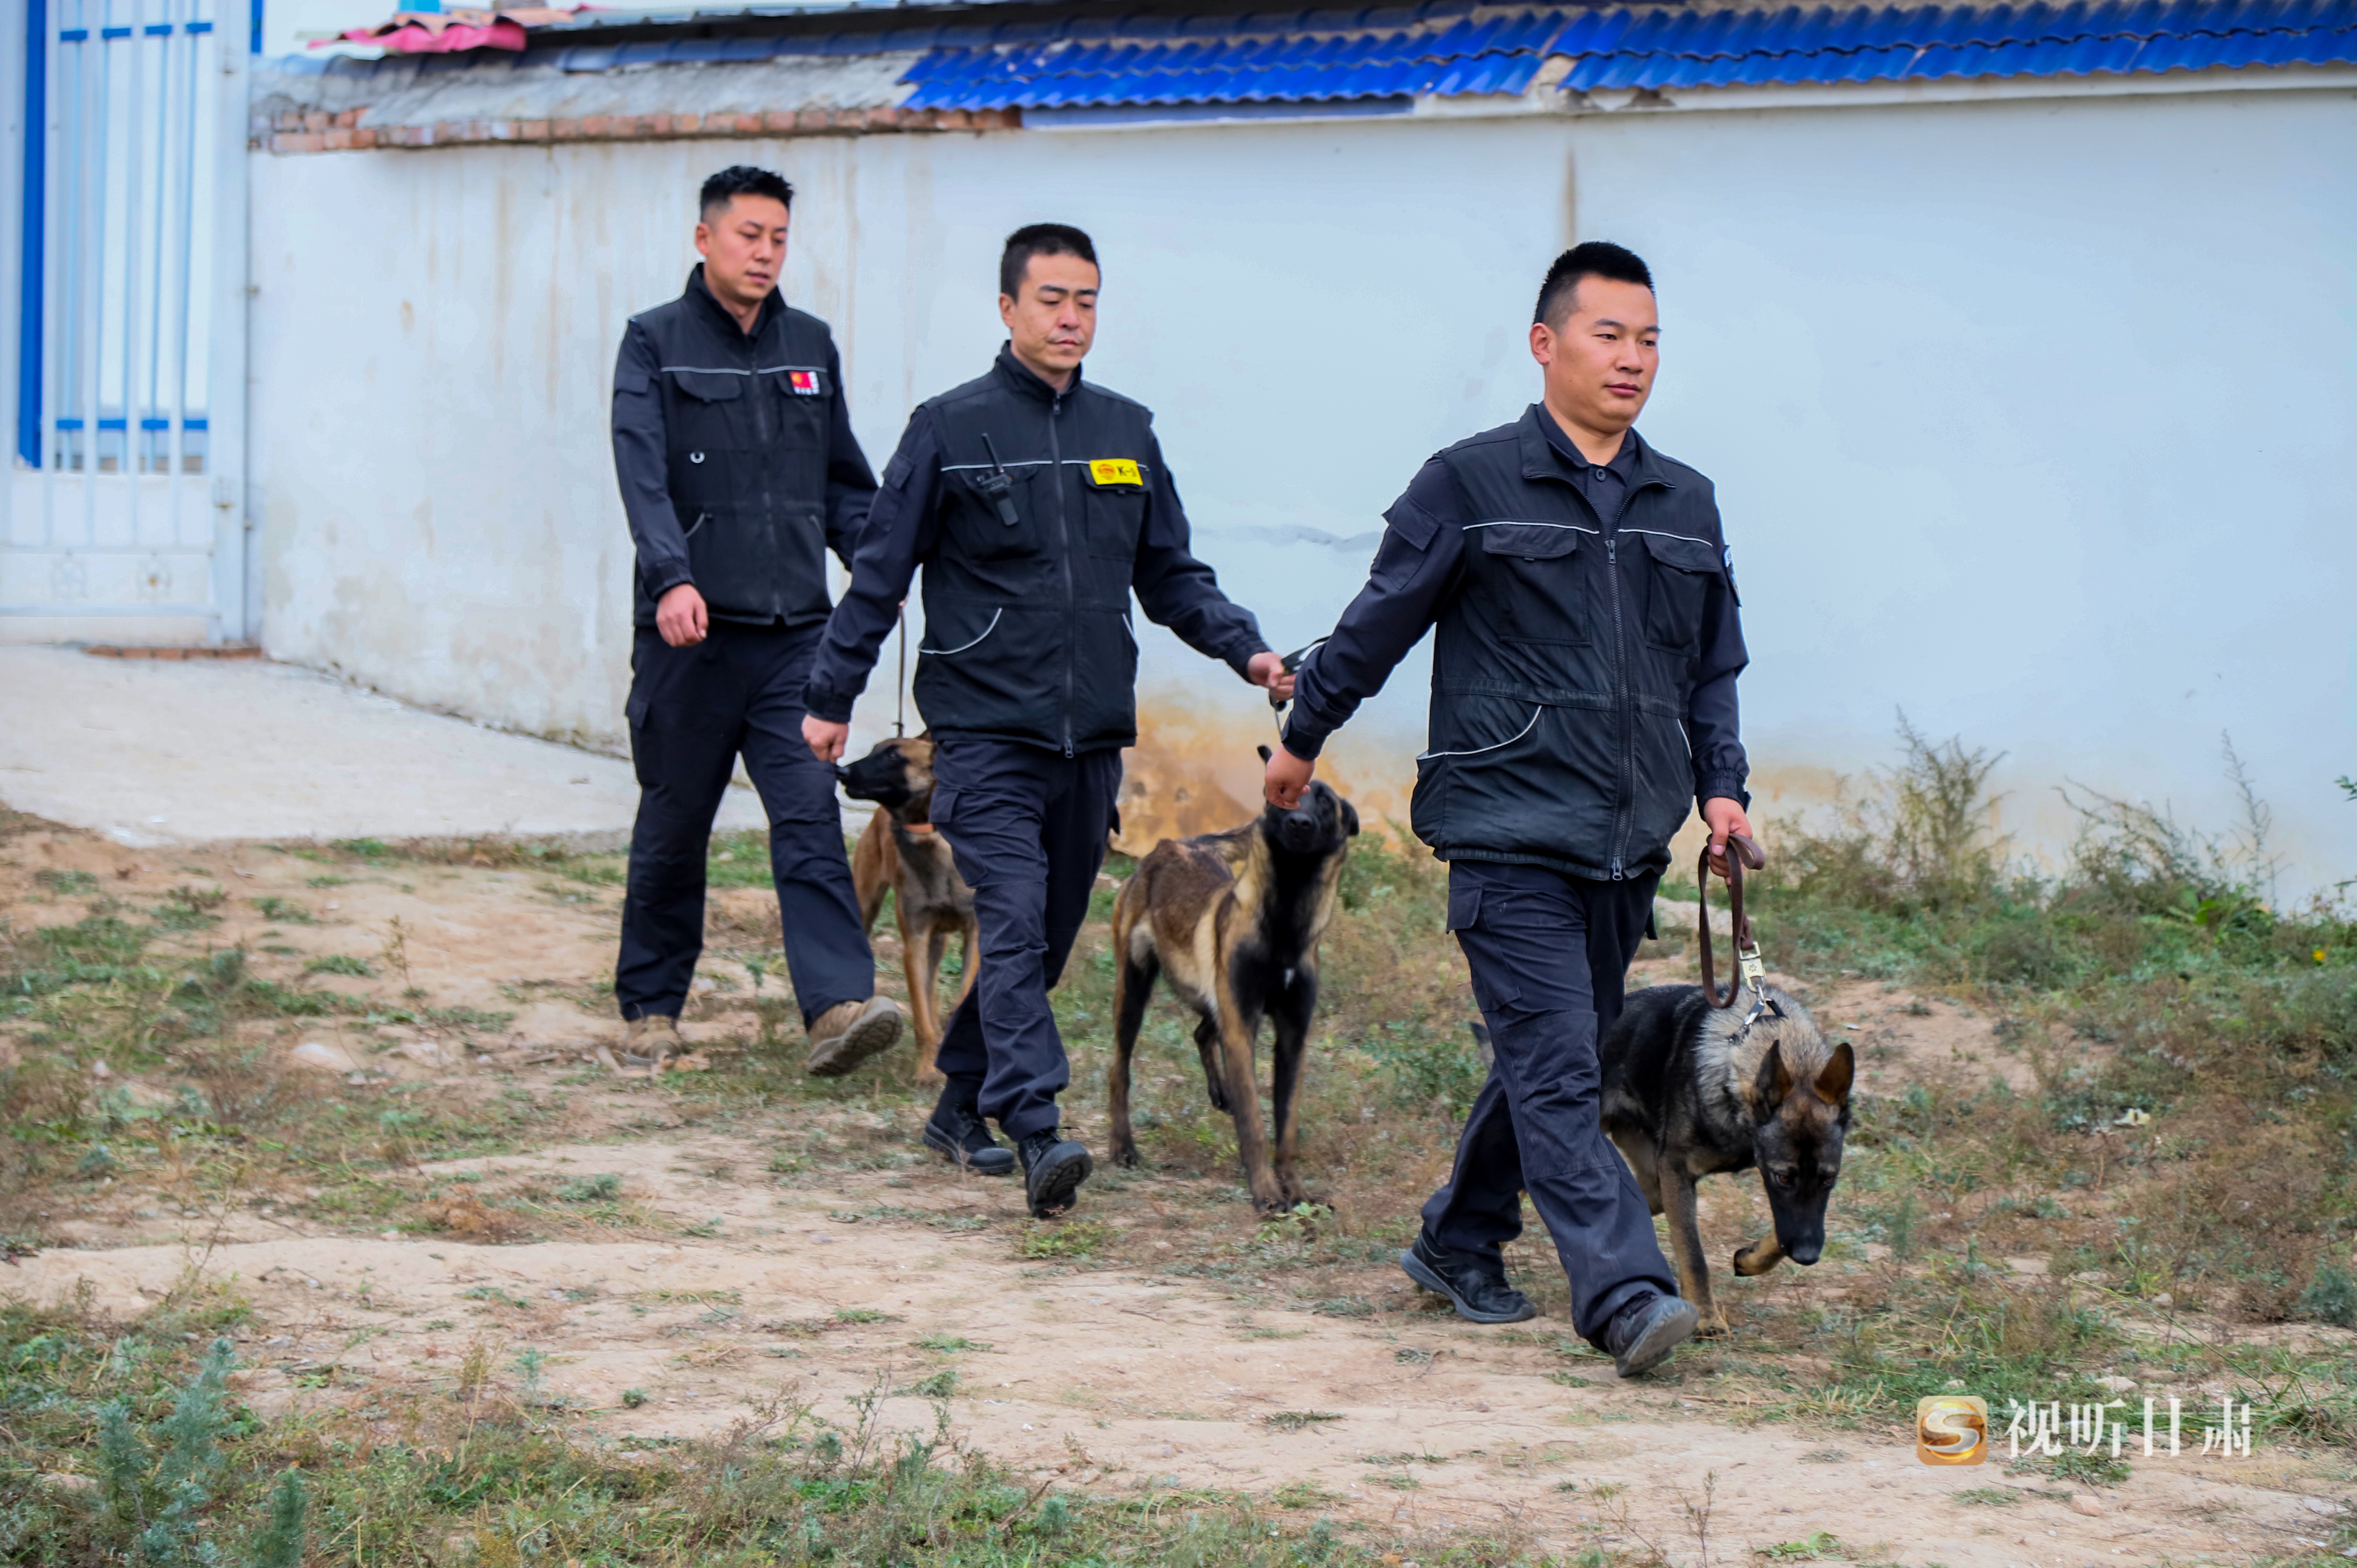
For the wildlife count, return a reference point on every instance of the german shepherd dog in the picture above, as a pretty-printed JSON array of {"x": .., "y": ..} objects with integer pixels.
[
  {"x": 1690, "y": 1088},
  {"x": 1232, "y": 920},
  {"x": 900, "y": 851}
]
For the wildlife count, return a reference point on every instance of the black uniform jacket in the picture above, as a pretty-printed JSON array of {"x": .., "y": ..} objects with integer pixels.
[
  {"x": 1583, "y": 671},
  {"x": 736, "y": 456},
  {"x": 1035, "y": 514}
]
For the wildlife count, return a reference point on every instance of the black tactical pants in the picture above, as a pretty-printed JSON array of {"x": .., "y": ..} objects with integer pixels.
[
  {"x": 692, "y": 712},
  {"x": 1549, "y": 953},
  {"x": 1028, "y": 829}
]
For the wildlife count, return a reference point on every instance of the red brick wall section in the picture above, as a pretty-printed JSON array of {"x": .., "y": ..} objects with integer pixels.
[{"x": 317, "y": 132}]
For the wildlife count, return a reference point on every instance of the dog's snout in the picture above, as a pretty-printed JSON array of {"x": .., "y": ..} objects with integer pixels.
[{"x": 1806, "y": 1253}]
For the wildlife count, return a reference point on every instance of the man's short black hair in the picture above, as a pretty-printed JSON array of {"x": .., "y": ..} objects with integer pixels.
[
  {"x": 1591, "y": 259},
  {"x": 1039, "y": 240},
  {"x": 743, "y": 180}
]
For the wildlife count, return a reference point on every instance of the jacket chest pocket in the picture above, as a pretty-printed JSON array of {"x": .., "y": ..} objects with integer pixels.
[
  {"x": 803, "y": 398},
  {"x": 705, "y": 435},
  {"x": 1677, "y": 589},
  {"x": 799, "y": 408},
  {"x": 1113, "y": 507},
  {"x": 1531, "y": 572},
  {"x": 705, "y": 423},
  {"x": 999, "y": 515}
]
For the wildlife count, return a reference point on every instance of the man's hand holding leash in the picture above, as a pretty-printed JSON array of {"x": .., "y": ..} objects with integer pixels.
[
  {"x": 1268, "y": 669},
  {"x": 1725, "y": 817}
]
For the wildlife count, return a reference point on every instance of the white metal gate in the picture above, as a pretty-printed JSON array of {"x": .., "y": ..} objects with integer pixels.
[{"x": 124, "y": 516}]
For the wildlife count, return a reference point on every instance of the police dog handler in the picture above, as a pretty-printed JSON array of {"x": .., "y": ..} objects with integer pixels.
[
  {"x": 1036, "y": 503},
  {"x": 1583, "y": 689},
  {"x": 739, "y": 473}
]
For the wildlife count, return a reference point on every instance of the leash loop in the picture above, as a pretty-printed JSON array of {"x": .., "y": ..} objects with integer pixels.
[
  {"x": 1750, "y": 972},
  {"x": 901, "y": 688}
]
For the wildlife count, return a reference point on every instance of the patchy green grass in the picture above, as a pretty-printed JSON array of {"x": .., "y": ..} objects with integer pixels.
[
  {"x": 738, "y": 860},
  {"x": 127, "y": 1446},
  {"x": 111, "y": 990},
  {"x": 950, "y": 1344},
  {"x": 1068, "y": 1238},
  {"x": 1295, "y": 1419}
]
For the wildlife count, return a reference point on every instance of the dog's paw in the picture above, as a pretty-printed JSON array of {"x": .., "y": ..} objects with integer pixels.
[
  {"x": 1126, "y": 1154},
  {"x": 1713, "y": 1325},
  {"x": 1758, "y": 1258}
]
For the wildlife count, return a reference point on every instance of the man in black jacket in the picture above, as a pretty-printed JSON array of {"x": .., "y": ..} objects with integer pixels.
[
  {"x": 1037, "y": 504},
  {"x": 739, "y": 473},
  {"x": 1582, "y": 692}
]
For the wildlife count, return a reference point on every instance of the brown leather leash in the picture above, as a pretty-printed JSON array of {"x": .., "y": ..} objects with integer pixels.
[{"x": 1748, "y": 970}]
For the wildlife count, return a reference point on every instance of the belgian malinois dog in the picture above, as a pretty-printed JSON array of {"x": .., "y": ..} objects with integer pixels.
[
  {"x": 1232, "y": 920},
  {"x": 900, "y": 851},
  {"x": 1690, "y": 1088}
]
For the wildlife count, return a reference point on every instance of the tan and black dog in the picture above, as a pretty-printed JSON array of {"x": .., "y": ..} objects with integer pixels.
[
  {"x": 1690, "y": 1090},
  {"x": 900, "y": 851},
  {"x": 1232, "y": 920}
]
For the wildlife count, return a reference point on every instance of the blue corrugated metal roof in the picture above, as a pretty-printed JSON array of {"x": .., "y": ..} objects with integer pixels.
[
  {"x": 1314, "y": 55},
  {"x": 1444, "y": 51},
  {"x": 1447, "y": 48}
]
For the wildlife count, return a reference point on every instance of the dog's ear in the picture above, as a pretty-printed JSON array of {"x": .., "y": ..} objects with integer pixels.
[
  {"x": 1349, "y": 817},
  {"x": 1775, "y": 1080},
  {"x": 1265, "y": 753},
  {"x": 1833, "y": 1083}
]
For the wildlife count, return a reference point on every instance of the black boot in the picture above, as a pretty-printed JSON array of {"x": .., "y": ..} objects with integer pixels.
[
  {"x": 1478, "y": 1296},
  {"x": 1053, "y": 1168},
  {"x": 1642, "y": 1334},
  {"x": 957, "y": 1133}
]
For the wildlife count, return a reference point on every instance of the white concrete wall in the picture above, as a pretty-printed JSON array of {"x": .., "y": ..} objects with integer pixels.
[{"x": 2030, "y": 417}]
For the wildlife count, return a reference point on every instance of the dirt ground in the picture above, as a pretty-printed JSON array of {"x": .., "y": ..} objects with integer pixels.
[{"x": 797, "y": 1251}]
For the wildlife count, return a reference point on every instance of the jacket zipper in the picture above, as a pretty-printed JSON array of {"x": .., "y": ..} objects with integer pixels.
[
  {"x": 748, "y": 355},
  {"x": 1064, "y": 539},
  {"x": 1621, "y": 700}
]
